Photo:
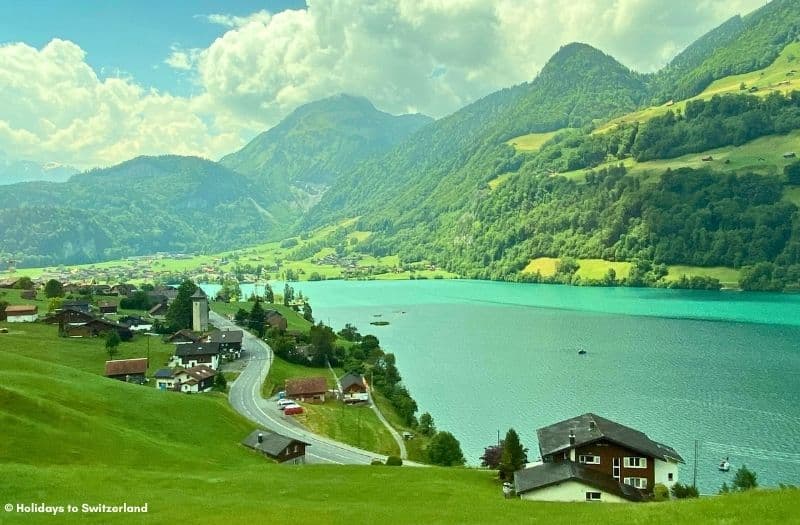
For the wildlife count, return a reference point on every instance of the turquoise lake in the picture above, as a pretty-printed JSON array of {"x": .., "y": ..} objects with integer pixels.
[{"x": 719, "y": 368}]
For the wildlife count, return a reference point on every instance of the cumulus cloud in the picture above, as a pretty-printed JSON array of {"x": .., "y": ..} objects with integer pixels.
[
  {"x": 431, "y": 56},
  {"x": 63, "y": 111}
]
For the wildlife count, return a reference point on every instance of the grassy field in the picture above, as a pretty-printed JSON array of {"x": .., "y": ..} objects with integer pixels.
[
  {"x": 73, "y": 437},
  {"x": 597, "y": 269},
  {"x": 293, "y": 319},
  {"x": 355, "y": 425},
  {"x": 281, "y": 370},
  {"x": 532, "y": 141},
  {"x": 415, "y": 447}
]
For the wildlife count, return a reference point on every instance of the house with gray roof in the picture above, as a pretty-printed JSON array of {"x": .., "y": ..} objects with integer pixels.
[
  {"x": 281, "y": 448},
  {"x": 568, "y": 481},
  {"x": 610, "y": 450}
]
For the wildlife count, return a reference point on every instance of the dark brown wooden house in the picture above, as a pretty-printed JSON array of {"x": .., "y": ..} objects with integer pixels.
[
  {"x": 128, "y": 370},
  {"x": 107, "y": 308},
  {"x": 229, "y": 341},
  {"x": 307, "y": 389},
  {"x": 97, "y": 327},
  {"x": 275, "y": 319},
  {"x": 281, "y": 448},
  {"x": 353, "y": 384},
  {"x": 68, "y": 316},
  {"x": 619, "y": 452},
  {"x": 184, "y": 336},
  {"x": 28, "y": 294}
]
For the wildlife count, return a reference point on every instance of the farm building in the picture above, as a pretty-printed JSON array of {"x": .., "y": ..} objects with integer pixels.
[
  {"x": 307, "y": 389},
  {"x": 128, "y": 370},
  {"x": 281, "y": 448},
  {"x": 22, "y": 313}
]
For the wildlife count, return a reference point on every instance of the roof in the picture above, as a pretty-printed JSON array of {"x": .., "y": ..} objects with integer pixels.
[
  {"x": 351, "y": 379},
  {"x": 186, "y": 333},
  {"x": 272, "y": 313},
  {"x": 107, "y": 305},
  {"x": 73, "y": 303},
  {"x": 306, "y": 385},
  {"x": 126, "y": 366},
  {"x": 226, "y": 336},
  {"x": 548, "y": 474},
  {"x": 22, "y": 309},
  {"x": 192, "y": 349},
  {"x": 271, "y": 443},
  {"x": 589, "y": 428},
  {"x": 198, "y": 373},
  {"x": 165, "y": 373},
  {"x": 199, "y": 294},
  {"x": 157, "y": 308}
]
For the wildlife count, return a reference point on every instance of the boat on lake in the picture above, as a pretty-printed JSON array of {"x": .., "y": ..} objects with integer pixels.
[{"x": 724, "y": 465}]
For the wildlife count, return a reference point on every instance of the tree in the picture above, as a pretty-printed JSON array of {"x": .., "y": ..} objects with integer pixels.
[
  {"x": 138, "y": 300},
  {"x": 257, "y": 318},
  {"x": 724, "y": 489},
  {"x": 53, "y": 288},
  {"x": 288, "y": 295},
  {"x": 492, "y": 455},
  {"x": 269, "y": 295},
  {"x": 445, "y": 450},
  {"x": 792, "y": 172},
  {"x": 220, "y": 383},
  {"x": 307, "y": 314},
  {"x": 426, "y": 425},
  {"x": 514, "y": 455},
  {"x": 241, "y": 317},
  {"x": 54, "y": 304},
  {"x": 745, "y": 479},
  {"x": 112, "y": 343},
  {"x": 322, "y": 339},
  {"x": 24, "y": 283},
  {"x": 681, "y": 491},
  {"x": 349, "y": 333},
  {"x": 179, "y": 315},
  {"x": 230, "y": 291}
]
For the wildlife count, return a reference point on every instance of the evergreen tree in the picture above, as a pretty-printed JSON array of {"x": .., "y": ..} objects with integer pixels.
[
  {"x": 53, "y": 288},
  {"x": 220, "y": 383},
  {"x": 745, "y": 479},
  {"x": 241, "y": 317},
  {"x": 269, "y": 295},
  {"x": 179, "y": 314},
  {"x": 112, "y": 343},
  {"x": 445, "y": 450},
  {"x": 426, "y": 424},
  {"x": 307, "y": 314},
  {"x": 514, "y": 455},
  {"x": 257, "y": 318}
]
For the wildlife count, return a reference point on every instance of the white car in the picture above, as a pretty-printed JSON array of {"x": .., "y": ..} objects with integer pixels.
[{"x": 283, "y": 403}]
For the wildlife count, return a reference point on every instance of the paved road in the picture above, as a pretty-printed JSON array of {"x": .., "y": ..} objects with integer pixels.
[{"x": 245, "y": 398}]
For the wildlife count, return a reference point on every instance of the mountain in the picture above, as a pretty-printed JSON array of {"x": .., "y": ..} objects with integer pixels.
[
  {"x": 442, "y": 166},
  {"x": 13, "y": 171},
  {"x": 144, "y": 205},
  {"x": 319, "y": 142}
]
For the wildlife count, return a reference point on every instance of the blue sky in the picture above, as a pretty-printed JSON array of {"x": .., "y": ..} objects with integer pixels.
[
  {"x": 130, "y": 37},
  {"x": 94, "y": 83}
]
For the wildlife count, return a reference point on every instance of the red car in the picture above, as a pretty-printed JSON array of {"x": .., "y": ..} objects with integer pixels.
[{"x": 291, "y": 410}]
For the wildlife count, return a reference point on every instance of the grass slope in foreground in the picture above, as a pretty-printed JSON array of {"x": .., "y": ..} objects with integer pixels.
[{"x": 71, "y": 437}]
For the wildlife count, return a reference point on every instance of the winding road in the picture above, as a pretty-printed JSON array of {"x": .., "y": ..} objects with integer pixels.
[{"x": 245, "y": 398}]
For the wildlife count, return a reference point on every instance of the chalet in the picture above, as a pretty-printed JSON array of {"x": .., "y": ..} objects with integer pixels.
[
  {"x": 28, "y": 294},
  {"x": 165, "y": 378},
  {"x": 159, "y": 311},
  {"x": 135, "y": 323},
  {"x": 618, "y": 453},
  {"x": 72, "y": 288},
  {"x": 107, "y": 308},
  {"x": 196, "y": 379},
  {"x": 354, "y": 388},
  {"x": 101, "y": 289},
  {"x": 123, "y": 289},
  {"x": 570, "y": 481},
  {"x": 68, "y": 316},
  {"x": 168, "y": 292},
  {"x": 307, "y": 389},
  {"x": 281, "y": 448},
  {"x": 77, "y": 304},
  {"x": 275, "y": 319},
  {"x": 187, "y": 356},
  {"x": 183, "y": 337},
  {"x": 229, "y": 341},
  {"x": 128, "y": 370},
  {"x": 96, "y": 327},
  {"x": 22, "y": 313}
]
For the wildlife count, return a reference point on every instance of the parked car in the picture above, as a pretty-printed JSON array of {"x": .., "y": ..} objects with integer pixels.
[
  {"x": 291, "y": 410},
  {"x": 283, "y": 403}
]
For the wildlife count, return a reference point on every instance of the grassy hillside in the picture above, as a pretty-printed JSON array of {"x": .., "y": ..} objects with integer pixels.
[{"x": 72, "y": 437}]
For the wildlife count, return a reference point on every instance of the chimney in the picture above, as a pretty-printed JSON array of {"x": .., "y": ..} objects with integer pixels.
[
  {"x": 571, "y": 438},
  {"x": 260, "y": 437},
  {"x": 592, "y": 425}
]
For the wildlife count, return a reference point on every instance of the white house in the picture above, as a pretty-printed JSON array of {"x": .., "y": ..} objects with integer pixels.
[
  {"x": 569, "y": 481},
  {"x": 196, "y": 379},
  {"x": 190, "y": 355},
  {"x": 22, "y": 313},
  {"x": 165, "y": 379}
]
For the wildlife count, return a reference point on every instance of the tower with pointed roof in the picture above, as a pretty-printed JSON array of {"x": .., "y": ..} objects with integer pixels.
[{"x": 199, "y": 311}]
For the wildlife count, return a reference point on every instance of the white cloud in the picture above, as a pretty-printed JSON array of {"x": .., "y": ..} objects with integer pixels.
[{"x": 431, "y": 56}]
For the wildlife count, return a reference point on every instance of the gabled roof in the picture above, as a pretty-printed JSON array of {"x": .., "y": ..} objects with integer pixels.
[
  {"x": 22, "y": 309},
  {"x": 226, "y": 336},
  {"x": 126, "y": 366},
  {"x": 589, "y": 428},
  {"x": 271, "y": 443},
  {"x": 157, "y": 308},
  {"x": 272, "y": 313},
  {"x": 198, "y": 373},
  {"x": 193, "y": 349},
  {"x": 199, "y": 294},
  {"x": 351, "y": 379},
  {"x": 166, "y": 373},
  {"x": 547, "y": 474},
  {"x": 185, "y": 334},
  {"x": 306, "y": 385}
]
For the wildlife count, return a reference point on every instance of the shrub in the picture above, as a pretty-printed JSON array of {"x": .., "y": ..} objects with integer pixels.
[
  {"x": 660, "y": 492},
  {"x": 394, "y": 461},
  {"x": 681, "y": 491}
]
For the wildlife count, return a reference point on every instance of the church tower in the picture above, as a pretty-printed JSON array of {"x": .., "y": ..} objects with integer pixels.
[{"x": 199, "y": 311}]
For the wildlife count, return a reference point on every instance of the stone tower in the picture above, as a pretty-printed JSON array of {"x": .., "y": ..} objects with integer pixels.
[{"x": 199, "y": 311}]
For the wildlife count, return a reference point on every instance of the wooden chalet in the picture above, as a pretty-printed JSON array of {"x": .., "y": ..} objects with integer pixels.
[
  {"x": 275, "y": 319},
  {"x": 281, "y": 448},
  {"x": 21, "y": 313},
  {"x": 77, "y": 304},
  {"x": 68, "y": 316},
  {"x": 182, "y": 337},
  {"x": 107, "y": 308},
  {"x": 353, "y": 388},
  {"x": 190, "y": 355},
  {"x": 128, "y": 370},
  {"x": 159, "y": 310},
  {"x": 311, "y": 389},
  {"x": 229, "y": 341},
  {"x": 96, "y": 327}
]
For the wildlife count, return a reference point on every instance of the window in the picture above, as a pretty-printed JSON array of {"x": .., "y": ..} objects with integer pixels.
[
  {"x": 634, "y": 462},
  {"x": 669, "y": 476},
  {"x": 593, "y": 496},
  {"x": 639, "y": 483},
  {"x": 589, "y": 460}
]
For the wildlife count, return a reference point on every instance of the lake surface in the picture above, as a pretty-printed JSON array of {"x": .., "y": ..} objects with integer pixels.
[{"x": 722, "y": 368}]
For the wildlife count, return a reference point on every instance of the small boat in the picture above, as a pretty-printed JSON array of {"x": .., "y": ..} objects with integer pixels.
[
  {"x": 581, "y": 352},
  {"x": 724, "y": 465}
]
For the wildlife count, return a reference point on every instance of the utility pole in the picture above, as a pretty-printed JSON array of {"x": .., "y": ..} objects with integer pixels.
[{"x": 694, "y": 479}]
